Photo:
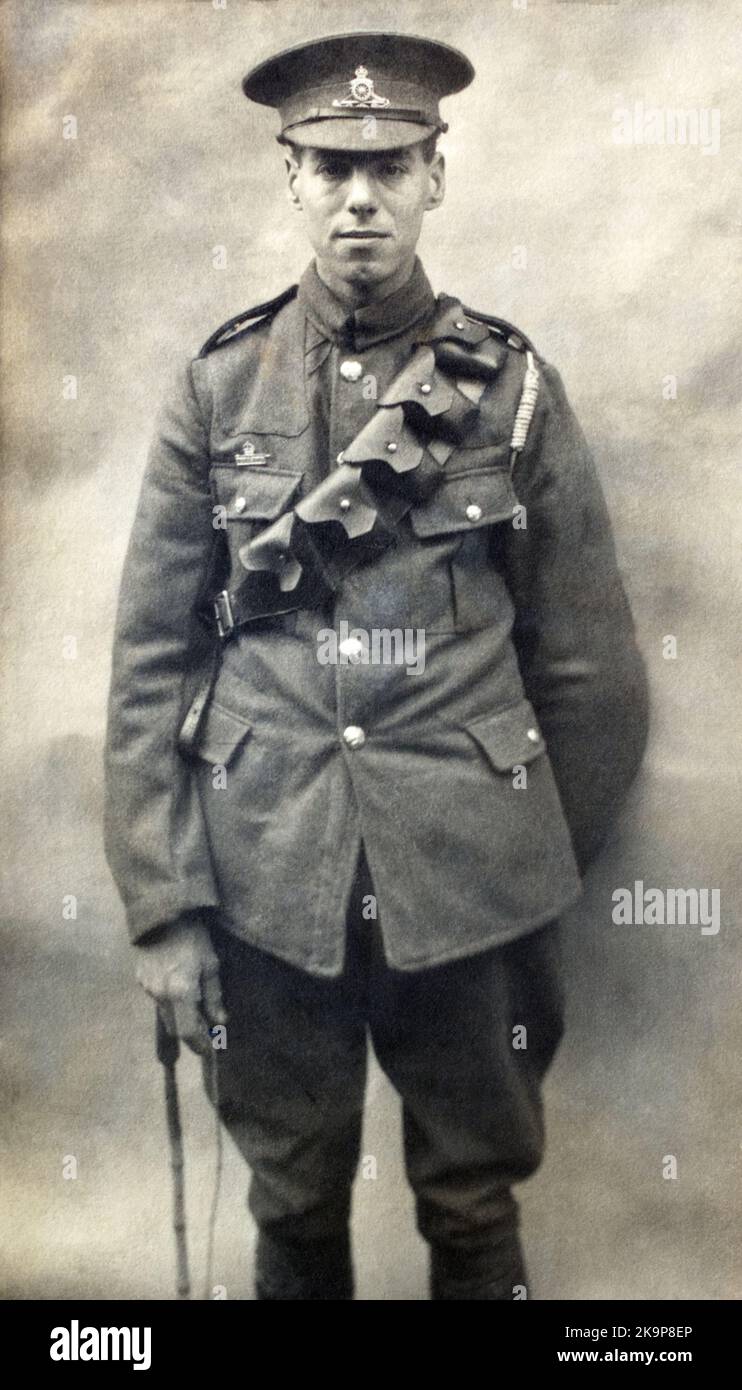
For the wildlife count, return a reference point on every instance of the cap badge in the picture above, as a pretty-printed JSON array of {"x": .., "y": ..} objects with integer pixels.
[{"x": 362, "y": 92}]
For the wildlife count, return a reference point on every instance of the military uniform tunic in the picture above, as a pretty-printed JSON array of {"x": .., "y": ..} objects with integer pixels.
[{"x": 480, "y": 785}]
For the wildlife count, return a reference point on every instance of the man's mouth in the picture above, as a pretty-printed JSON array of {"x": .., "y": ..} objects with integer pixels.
[{"x": 363, "y": 234}]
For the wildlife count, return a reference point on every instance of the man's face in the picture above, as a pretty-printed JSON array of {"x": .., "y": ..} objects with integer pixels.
[{"x": 364, "y": 211}]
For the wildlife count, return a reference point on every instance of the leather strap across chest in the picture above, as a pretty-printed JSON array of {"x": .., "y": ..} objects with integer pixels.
[{"x": 397, "y": 460}]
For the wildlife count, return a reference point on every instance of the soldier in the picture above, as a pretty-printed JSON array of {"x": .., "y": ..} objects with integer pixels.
[{"x": 360, "y": 844}]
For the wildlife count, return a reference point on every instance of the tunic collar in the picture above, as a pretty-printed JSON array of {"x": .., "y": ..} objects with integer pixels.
[{"x": 371, "y": 324}]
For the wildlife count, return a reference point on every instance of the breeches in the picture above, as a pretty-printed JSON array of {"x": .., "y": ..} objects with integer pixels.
[{"x": 465, "y": 1044}]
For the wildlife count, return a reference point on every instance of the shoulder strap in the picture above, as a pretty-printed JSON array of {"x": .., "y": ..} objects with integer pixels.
[
  {"x": 233, "y": 327},
  {"x": 514, "y": 337}
]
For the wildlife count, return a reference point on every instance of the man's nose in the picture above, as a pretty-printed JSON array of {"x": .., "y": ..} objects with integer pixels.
[{"x": 362, "y": 198}]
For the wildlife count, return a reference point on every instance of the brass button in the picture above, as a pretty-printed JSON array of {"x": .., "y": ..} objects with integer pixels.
[
  {"x": 344, "y": 504},
  {"x": 239, "y": 504},
  {"x": 354, "y": 737},
  {"x": 473, "y": 511},
  {"x": 459, "y": 324},
  {"x": 533, "y": 735},
  {"x": 341, "y": 457},
  {"x": 351, "y": 371},
  {"x": 426, "y": 388},
  {"x": 391, "y": 446}
]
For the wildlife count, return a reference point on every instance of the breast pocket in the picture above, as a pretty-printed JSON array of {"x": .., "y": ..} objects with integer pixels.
[
  {"x": 466, "y": 501},
  {"x": 246, "y": 499},
  {"x": 455, "y": 524}
]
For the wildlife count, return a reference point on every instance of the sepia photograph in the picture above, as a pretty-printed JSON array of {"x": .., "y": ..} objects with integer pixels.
[{"x": 371, "y": 661}]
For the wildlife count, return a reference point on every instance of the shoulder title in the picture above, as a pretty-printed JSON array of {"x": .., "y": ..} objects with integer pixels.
[{"x": 247, "y": 320}]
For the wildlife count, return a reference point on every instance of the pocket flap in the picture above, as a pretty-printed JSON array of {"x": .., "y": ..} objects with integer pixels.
[
  {"x": 510, "y": 737},
  {"x": 220, "y": 735},
  {"x": 251, "y": 494},
  {"x": 465, "y": 501}
]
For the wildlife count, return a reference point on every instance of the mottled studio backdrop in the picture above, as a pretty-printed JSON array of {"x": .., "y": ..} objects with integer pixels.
[{"x": 617, "y": 252}]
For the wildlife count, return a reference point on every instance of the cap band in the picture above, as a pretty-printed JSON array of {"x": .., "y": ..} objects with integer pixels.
[{"x": 324, "y": 113}]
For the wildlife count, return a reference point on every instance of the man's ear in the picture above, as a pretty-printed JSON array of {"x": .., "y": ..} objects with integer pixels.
[
  {"x": 292, "y": 172},
  {"x": 436, "y": 182}
]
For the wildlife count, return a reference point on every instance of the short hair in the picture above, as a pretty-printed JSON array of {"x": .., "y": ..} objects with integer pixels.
[{"x": 427, "y": 147}]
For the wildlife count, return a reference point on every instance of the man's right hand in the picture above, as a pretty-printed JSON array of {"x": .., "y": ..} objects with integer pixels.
[{"x": 179, "y": 969}]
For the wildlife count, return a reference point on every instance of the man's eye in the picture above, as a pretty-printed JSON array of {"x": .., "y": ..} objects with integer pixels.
[
  {"x": 332, "y": 169},
  {"x": 393, "y": 170}
]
